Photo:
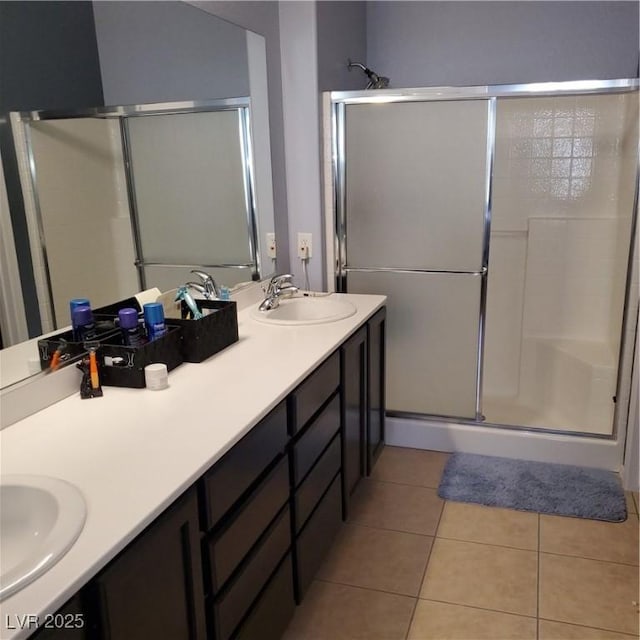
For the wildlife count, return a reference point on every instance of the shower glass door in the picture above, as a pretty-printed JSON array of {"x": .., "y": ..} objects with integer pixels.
[
  {"x": 415, "y": 220},
  {"x": 563, "y": 197}
]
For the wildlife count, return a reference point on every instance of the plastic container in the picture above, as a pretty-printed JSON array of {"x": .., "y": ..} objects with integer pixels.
[
  {"x": 132, "y": 332},
  {"x": 154, "y": 320},
  {"x": 84, "y": 327}
]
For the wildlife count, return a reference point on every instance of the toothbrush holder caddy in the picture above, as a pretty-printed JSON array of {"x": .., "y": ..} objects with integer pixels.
[{"x": 210, "y": 334}]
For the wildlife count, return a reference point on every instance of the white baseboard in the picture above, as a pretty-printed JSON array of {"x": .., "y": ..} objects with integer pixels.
[{"x": 509, "y": 443}]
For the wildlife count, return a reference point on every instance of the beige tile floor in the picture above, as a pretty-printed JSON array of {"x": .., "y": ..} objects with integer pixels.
[{"x": 409, "y": 565}]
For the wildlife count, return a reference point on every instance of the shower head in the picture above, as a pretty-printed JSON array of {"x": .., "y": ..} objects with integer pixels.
[{"x": 375, "y": 81}]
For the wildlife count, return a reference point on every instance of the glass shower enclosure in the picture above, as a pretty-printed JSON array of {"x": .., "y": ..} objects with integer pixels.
[{"x": 498, "y": 221}]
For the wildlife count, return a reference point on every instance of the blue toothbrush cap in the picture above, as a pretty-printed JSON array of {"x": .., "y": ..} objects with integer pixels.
[{"x": 153, "y": 313}]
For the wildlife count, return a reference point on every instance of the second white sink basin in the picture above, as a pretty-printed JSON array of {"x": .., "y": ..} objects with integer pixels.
[
  {"x": 40, "y": 519},
  {"x": 306, "y": 310}
]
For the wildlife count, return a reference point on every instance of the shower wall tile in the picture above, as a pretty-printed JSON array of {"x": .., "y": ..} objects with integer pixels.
[
  {"x": 570, "y": 267},
  {"x": 505, "y": 296},
  {"x": 560, "y": 157}
]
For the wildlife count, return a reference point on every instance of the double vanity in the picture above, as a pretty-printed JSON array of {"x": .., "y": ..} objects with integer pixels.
[{"x": 211, "y": 504}]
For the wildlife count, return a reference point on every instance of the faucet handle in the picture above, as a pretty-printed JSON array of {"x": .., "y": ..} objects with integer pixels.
[
  {"x": 209, "y": 284},
  {"x": 284, "y": 278},
  {"x": 203, "y": 275},
  {"x": 278, "y": 281}
]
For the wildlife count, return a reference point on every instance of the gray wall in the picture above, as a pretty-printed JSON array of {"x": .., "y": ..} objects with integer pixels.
[
  {"x": 48, "y": 60},
  {"x": 341, "y": 35},
  {"x": 475, "y": 43},
  {"x": 263, "y": 18},
  {"x": 168, "y": 51}
]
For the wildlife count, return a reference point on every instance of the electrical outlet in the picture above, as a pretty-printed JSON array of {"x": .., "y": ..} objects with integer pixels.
[
  {"x": 271, "y": 245},
  {"x": 304, "y": 245}
]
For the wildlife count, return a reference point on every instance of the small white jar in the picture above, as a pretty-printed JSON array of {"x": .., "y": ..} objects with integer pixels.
[{"x": 156, "y": 376}]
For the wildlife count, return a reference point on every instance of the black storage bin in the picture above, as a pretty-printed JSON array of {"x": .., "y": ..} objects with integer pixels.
[
  {"x": 210, "y": 334},
  {"x": 123, "y": 366},
  {"x": 72, "y": 351}
]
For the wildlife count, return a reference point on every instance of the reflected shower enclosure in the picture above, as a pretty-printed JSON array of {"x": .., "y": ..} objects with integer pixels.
[{"x": 128, "y": 198}]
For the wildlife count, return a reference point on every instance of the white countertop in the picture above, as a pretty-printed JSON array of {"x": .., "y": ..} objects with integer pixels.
[{"x": 134, "y": 451}]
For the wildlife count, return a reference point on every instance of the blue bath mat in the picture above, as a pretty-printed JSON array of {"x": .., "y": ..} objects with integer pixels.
[{"x": 534, "y": 486}]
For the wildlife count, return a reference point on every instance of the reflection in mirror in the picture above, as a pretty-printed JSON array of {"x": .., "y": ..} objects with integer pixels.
[
  {"x": 131, "y": 199},
  {"x": 149, "y": 53}
]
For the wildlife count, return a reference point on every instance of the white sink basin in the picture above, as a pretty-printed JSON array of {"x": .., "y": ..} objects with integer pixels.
[
  {"x": 40, "y": 519},
  {"x": 306, "y": 310}
]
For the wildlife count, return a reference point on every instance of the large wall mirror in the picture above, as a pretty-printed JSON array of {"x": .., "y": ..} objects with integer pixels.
[{"x": 170, "y": 171}]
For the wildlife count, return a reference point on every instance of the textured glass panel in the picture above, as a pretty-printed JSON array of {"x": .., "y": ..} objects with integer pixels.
[
  {"x": 558, "y": 260},
  {"x": 432, "y": 339},
  {"x": 189, "y": 186},
  {"x": 416, "y": 184},
  {"x": 561, "y": 168},
  {"x": 583, "y": 147},
  {"x": 562, "y": 147}
]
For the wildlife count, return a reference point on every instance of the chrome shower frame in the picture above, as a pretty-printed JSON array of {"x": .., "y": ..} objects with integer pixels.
[
  {"x": 491, "y": 93},
  {"x": 122, "y": 114}
]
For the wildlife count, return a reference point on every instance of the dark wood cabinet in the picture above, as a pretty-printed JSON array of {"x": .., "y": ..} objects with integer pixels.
[
  {"x": 315, "y": 461},
  {"x": 231, "y": 605},
  {"x": 232, "y": 556},
  {"x": 70, "y": 622},
  {"x": 375, "y": 387},
  {"x": 274, "y": 609},
  {"x": 246, "y": 524},
  {"x": 154, "y": 588},
  {"x": 354, "y": 411},
  {"x": 240, "y": 467}
]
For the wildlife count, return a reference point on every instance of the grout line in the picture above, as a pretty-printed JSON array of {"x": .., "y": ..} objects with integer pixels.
[
  {"x": 424, "y": 573},
  {"x": 357, "y": 586},
  {"x": 414, "y": 533},
  {"x": 488, "y": 544},
  {"x": 404, "y": 484},
  {"x": 370, "y": 526},
  {"x": 566, "y": 555},
  {"x": 473, "y": 606},
  {"x": 582, "y": 626}
]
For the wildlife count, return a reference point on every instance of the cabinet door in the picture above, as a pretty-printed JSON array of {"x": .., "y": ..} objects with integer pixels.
[
  {"x": 70, "y": 622},
  {"x": 154, "y": 588},
  {"x": 354, "y": 397},
  {"x": 375, "y": 387}
]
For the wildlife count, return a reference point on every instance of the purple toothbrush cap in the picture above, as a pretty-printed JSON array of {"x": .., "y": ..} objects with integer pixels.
[
  {"x": 82, "y": 316},
  {"x": 128, "y": 318}
]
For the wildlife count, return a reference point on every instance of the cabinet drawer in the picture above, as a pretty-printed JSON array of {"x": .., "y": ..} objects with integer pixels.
[
  {"x": 314, "y": 392},
  {"x": 228, "y": 547},
  {"x": 240, "y": 467},
  {"x": 232, "y": 605},
  {"x": 316, "y": 437},
  {"x": 316, "y": 482},
  {"x": 274, "y": 609},
  {"x": 316, "y": 538}
]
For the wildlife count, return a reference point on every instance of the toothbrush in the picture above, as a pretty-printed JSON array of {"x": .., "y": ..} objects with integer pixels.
[
  {"x": 55, "y": 358},
  {"x": 183, "y": 294}
]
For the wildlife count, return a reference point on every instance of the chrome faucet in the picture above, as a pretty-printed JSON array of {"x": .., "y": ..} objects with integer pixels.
[
  {"x": 278, "y": 286},
  {"x": 207, "y": 287}
]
